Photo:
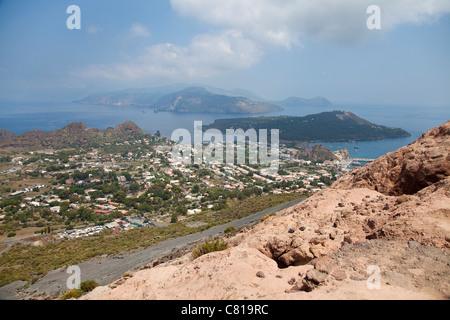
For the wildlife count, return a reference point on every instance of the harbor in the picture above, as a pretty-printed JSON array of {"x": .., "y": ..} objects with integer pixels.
[{"x": 351, "y": 163}]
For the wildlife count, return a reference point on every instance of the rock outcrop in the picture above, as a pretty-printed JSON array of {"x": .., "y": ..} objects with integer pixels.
[
  {"x": 389, "y": 218},
  {"x": 408, "y": 170}
]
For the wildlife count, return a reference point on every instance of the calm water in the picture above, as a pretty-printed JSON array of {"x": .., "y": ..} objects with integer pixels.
[{"x": 21, "y": 117}]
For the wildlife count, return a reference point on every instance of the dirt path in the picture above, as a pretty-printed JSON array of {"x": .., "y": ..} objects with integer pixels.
[{"x": 9, "y": 242}]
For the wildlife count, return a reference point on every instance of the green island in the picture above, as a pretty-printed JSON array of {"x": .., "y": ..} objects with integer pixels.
[{"x": 335, "y": 126}]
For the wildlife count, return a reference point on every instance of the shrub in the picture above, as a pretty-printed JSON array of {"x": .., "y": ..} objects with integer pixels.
[
  {"x": 229, "y": 230},
  {"x": 267, "y": 216},
  {"x": 72, "y": 294},
  {"x": 11, "y": 234},
  {"x": 208, "y": 247},
  {"x": 88, "y": 286}
]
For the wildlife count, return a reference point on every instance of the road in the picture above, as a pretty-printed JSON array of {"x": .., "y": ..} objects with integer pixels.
[
  {"x": 105, "y": 270},
  {"x": 9, "y": 242}
]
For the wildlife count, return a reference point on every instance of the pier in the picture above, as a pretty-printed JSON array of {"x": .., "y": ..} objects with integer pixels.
[
  {"x": 344, "y": 164},
  {"x": 362, "y": 159}
]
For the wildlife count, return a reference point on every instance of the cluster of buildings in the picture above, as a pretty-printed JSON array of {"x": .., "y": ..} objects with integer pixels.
[
  {"x": 26, "y": 190},
  {"x": 79, "y": 233},
  {"x": 118, "y": 225},
  {"x": 155, "y": 164}
]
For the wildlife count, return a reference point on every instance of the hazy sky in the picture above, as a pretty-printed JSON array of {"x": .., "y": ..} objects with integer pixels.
[{"x": 275, "y": 48}]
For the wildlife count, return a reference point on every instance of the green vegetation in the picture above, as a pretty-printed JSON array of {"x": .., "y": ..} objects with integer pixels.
[
  {"x": 72, "y": 294},
  {"x": 28, "y": 263},
  {"x": 88, "y": 286},
  {"x": 85, "y": 287},
  {"x": 229, "y": 230},
  {"x": 267, "y": 216},
  {"x": 328, "y": 126}
]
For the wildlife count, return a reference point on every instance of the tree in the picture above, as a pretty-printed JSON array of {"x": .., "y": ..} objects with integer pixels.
[
  {"x": 327, "y": 181},
  {"x": 135, "y": 187},
  {"x": 177, "y": 173},
  {"x": 120, "y": 196},
  {"x": 145, "y": 207},
  {"x": 96, "y": 194},
  {"x": 85, "y": 214},
  {"x": 64, "y": 207},
  {"x": 127, "y": 175},
  {"x": 177, "y": 189},
  {"x": 195, "y": 188},
  {"x": 181, "y": 210}
]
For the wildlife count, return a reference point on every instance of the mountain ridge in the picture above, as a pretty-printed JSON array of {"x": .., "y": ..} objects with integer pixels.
[
  {"x": 148, "y": 97},
  {"x": 74, "y": 134},
  {"x": 200, "y": 100}
]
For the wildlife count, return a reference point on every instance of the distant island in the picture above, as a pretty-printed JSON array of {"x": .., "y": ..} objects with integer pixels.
[
  {"x": 141, "y": 97},
  {"x": 335, "y": 126},
  {"x": 198, "y": 99}
]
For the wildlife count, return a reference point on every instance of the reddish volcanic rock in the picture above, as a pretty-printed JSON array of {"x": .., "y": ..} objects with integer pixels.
[
  {"x": 407, "y": 170},
  {"x": 74, "y": 134}
]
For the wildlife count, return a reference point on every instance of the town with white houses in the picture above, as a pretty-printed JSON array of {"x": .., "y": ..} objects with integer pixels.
[{"x": 81, "y": 193}]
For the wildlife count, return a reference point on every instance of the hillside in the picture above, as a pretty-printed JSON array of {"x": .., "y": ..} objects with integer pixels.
[
  {"x": 332, "y": 126},
  {"x": 328, "y": 246},
  {"x": 73, "y": 135},
  {"x": 4, "y": 134},
  {"x": 200, "y": 100},
  {"x": 315, "y": 153}
]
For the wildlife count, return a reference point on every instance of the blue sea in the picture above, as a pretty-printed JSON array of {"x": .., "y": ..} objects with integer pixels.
[{"x": 22, "y": 117}]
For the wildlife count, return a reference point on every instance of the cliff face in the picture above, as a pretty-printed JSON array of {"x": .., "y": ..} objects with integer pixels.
[{"x": 392, "y": 214}]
